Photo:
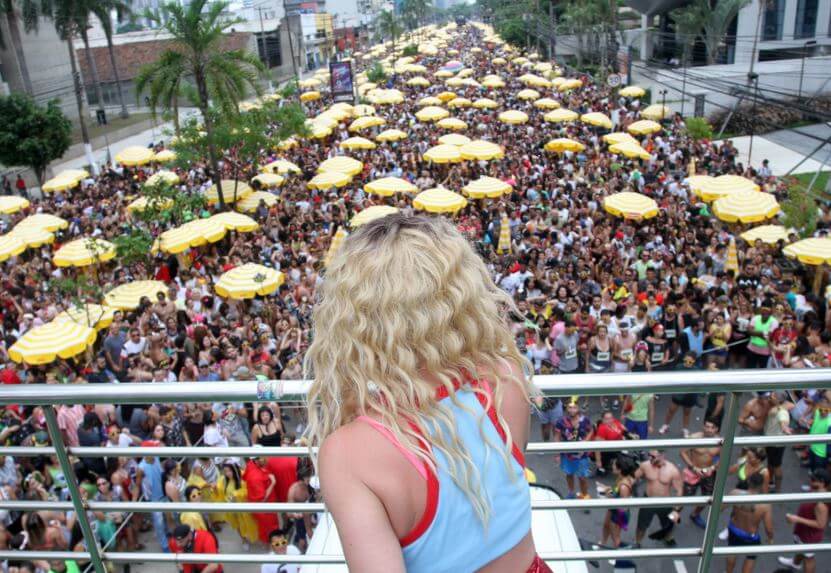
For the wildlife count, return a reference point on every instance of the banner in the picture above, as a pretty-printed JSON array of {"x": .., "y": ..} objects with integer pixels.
[{"x": 341, "y": 81}]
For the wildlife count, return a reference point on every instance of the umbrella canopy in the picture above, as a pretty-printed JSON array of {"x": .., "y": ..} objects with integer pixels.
[
  {"x": 560, "y": 115},
  {"x": 813, "y": 251},
  {"x": 309, "y": 96},
  {"x": 485, "y": 103},
  {"x": 33, "y": 237},
  {"x": 309, "y": 83},
  {"x": 481, "y": 150},
  {"x": 418, "y": 81},
  {"x": 713, "y": 188},
  {"x": 656, "y": 112},
  {"x": 513, "y": 117},
  {"x": 769, "y": 234},
  {"x": 357, "y": 143},
  {"x": 528, "y": 94},
  {"x": 451, "y": 123},
  {"x": 286, "y": 144},
  {"x": 231, "y": 191},
  {"x": 619, "y": 137},
  {"x": 192, "y": 234},
  {"x": 134, "y": 155},
  {"x": 337, "y": 240},
  {"x": 341, "y": 164},
  {"x": 372, "y": 213},
  {"x": 47, "y": 343},
  {"x": 164, "y": 156},
  {"x": 746, "y": 207},
  {"x": 162, "y": 176},
  {"x": 251, "y": 202},
  {"x": 10, "y": 204},
  {"x": 446, "y": 96},
  {"x": 429, "y": 101},
  {"x": 233, "y": 221},
  {"x": 281, "y": 166},
  {"x": 59, "y": 184},
  {"x": 431, "y": 113},
  {"x": 366, "y": 122},
  {"x": 631, "y": 205},
  {"x": 329, "y": 179},
  {"x": 391, "y": 135},
  {"x": 141, "y": 203},
  {"x": 443, "y": 154},
  {"x": 486, "y": 187},
  {"x": 91, "y": 315},
  {"x": 597, "y": 119},
  {"x": 459, "y": 102},
  {"x": 632, "y": 91},
  {"x": 388, "y": 186},
  {"x": 362, "y": 110},
  {"x": 493, "y": 83},
  {"x": 10, "y": 246},
  {"x": 570, "y": 85},
  {"x": 248, "y": 281},
  {"x": 456, "y": 139},
  {"x": 563, "y": 144},
  {"x": 84, "y": 252},
  {"x": 630, "y": 150},
  {"x": 439, "y": 200},
  {"x": 504, "y": 245},
  {"x": 547, "y": 103},
  {"x": 129, "y": 295},
  {"x": 77, "y": 174},
  {"x": 43, "y": 221},
  {"x": 268, "y": 180},
  {"x": 644, "y": 127}
]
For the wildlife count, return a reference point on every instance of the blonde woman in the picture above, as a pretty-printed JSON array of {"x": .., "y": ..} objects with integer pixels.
[{"x": 420, "y": 405}]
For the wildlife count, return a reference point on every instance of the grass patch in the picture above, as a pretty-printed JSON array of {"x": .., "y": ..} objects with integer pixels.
[
  {"x": 114, "y": 123},
  {"x": 819, "y": 185}
]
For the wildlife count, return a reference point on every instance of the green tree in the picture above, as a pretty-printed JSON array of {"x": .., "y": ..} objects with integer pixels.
[
  {"x": 376, "y": 74},
  {"x": 102, "y": 9},
  {"x": 389, "y": 27},
  {"x": 698, "y": 128},
  {"x": 221, "y": 77},
  {"x": 164, "y": 81},
  {"x": 32, "y": 135},
  {"x": 30, "y": 13},
  {"x": 718, "y": 21},
  {"x": 800, "y": 210},
  {"x": 689, "y": 22}
]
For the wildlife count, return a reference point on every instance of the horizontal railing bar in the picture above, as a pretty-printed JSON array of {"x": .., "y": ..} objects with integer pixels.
[
  {"x": 265, "y": 507},
  {"x": 553, "y": 385}
]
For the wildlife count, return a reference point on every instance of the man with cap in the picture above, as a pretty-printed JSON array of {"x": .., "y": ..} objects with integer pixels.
[{"x": 187, "y": 540}]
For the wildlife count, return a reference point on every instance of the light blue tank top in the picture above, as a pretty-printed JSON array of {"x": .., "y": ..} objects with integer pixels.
[{"x": 450, "y": 537}]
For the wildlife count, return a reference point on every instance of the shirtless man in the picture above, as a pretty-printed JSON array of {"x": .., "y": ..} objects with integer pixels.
[
  {"x": 661, "y": 476},
  {"x": 163, "y": 308},
  {"x": 701, "y": 468},
  {"x": 623, "y": 347},
  {"x": 755, "y": 412},
  {"x": 745, "y": 521}
]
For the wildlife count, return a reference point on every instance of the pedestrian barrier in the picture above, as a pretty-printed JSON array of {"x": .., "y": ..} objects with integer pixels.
[{"x": 732, "y": 383}]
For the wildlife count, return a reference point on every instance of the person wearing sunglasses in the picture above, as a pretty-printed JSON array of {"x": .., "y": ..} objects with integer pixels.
[{"x": 278, "y": 543}]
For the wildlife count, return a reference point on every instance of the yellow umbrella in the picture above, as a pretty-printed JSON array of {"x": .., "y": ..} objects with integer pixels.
[
  {"x": 319, "y": 131},
  {"x": 485, "y": 103},
  {"x": 233, "y": 221},
  {"x": 570, "y": 85},
  {"x": 341, "y": 164},
  {"x": 456, "y": 139},
  {"x": 134, "y": 155},
  {"x": 418, "y": 81},
  {"x": 10, "y": 246},
  {"x": 10, "y": 204},
  {"x": 439, "y": 200},
  {"x": 630, "y": 150},
  {"x": 528, "y": 94},
  {"x": 459, "y": 102},
  {"x": 43, "y": 221},
  {"x": 128, "y": 296},
  {"x": 329, "y": 179},
  {"x": 365, "y": 122},
  {"x": 813, "y": 251},
  {"x": 91, "y": 315},
  {"x": 499, "y": 61},
  {"x": 513, "y": 117},
  {"x": 286, "y": 144},
  {"x": 546, "y": 103},
  {"x": 446, "y": 96},
  {"x": 357, "y": 143},
  {"x": 429, "y": 100},
  {"x": 59, "y": 184},
  {"x": 493, "y": 83},
  {"x": 371, "y": 213},
  {"x": 309, "y": 96},
  {"x": 391, "y": 135},
  {"x": 489, "y": 187},
  {"x": 362, "y": 110},
  {"x": 84, "y": 252},
  {"x": 281, "y": 166},
  {"x": 77, "y": 174},
  {"x": 481, "y": 150},
  {"x": 644, "y": 127},
  {"x": 451, "y": 123},
  {"x": 251, "y": 202},
  {"x": 193, "y": 234},
  {"x": 631, "y": 205},
  {"x": 597, "y": 119},
  {"x": 431, "y": 113},
  {"x": 656, "y": 112},
  {"x": 248, "y": 281},
  {"x": 504, "y": 245},
  {"x": 269, "y": 180},
  {"x": 619, "y": 137},
  {"x": 712, "y": 188},
  {"x": 732, "y": 263},
  {"x": 632, "y": 91},
  {"x": 162, "y": 176},
  {"x": 309, "y": 83},
  {"x": 769, "y": 234},
  {"x": 564, "y": 144},
  {"x": 231, "y": 191},
  {"x": 746, "y": 207},
  {"x": 164, "y": 156},
  {"x": 33, "y": 237},
  {"x": 560, "y": 115},
  {"x": 387, "y": 186},
  {"x": 141, "y": 204},
  {"x": 340, "y": 235},
  {"x": 47, "y": 343},
  {"x": 443, "y": 154}
]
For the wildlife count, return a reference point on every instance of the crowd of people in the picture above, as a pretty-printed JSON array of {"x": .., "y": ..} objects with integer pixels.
[{"x": 595, "y": 293}]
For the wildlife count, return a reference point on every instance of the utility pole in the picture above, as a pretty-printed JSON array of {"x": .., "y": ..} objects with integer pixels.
[
  {"x": 265, "y": 58},
  {"x": 291, "y": 42}
]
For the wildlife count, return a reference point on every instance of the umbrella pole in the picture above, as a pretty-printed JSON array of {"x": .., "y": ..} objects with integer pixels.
[{"x": 819, "y": 274}]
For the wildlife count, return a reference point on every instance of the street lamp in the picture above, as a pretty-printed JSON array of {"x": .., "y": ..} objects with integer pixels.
[
  {"x": 753, "y": 79},
  {"x": 808, "y": 44}
]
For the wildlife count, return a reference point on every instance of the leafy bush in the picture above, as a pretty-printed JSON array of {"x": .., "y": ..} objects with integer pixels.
[
  {"x": 376, "y": 73},
  {"x": 411, "y": 50},
  {"x": 698, "y": 128}
]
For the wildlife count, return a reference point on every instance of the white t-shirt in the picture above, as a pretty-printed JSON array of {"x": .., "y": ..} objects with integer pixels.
[
  {"x": 283, "y": 567},
  {"x": 131, "y": 347}
]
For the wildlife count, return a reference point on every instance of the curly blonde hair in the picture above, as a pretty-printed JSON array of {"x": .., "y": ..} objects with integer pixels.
[{"x": 405, "y": 296}]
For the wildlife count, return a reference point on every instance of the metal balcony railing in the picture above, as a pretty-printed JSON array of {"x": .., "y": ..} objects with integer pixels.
[{"x": 732, "y": 383}]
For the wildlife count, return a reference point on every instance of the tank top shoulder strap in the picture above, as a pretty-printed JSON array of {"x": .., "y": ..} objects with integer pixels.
[{"x": 386, "y": 433}]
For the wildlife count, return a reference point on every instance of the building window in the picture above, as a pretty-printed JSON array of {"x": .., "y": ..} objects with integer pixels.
[
  {"x": 268, "y": 48},
  {"x": 806, "y": 19},
  {"x": 774, "y": 20}
]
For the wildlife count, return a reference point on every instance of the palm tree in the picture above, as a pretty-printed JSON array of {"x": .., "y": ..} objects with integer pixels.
[
  {"x": 689, "y": 21},
  {"x": 221, "y": 77},
  {"x": 102, "y": 10},
  {"x": 80, "y": 11},
  {"x": 389, "y": 27},
  {"x": 163, "y": 80},
  {"x": 718, "y": 21},
  {"x": 30, "y": 11}
]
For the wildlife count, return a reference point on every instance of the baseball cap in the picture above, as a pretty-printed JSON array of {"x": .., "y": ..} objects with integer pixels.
[{"x": 182, "y": 530}]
